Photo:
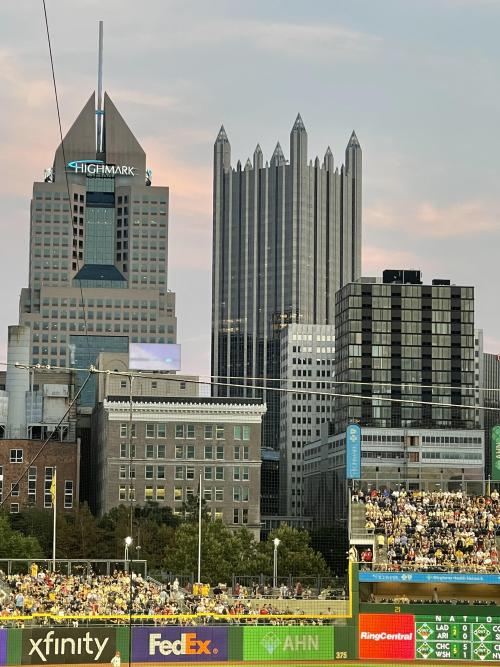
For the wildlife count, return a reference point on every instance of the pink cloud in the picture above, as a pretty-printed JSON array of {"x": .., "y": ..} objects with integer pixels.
[
  {"x": 429, "y": 220},
  {"x": 376, "y": 259}
]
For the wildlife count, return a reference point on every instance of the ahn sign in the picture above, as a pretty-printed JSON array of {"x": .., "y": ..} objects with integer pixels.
[{"x": 387, "y": 636}]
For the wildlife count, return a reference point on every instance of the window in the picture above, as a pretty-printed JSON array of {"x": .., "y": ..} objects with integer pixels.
[
  {"x": 219, "y": 454},
  {"x": 245, "y": 473},
  {"x": 122, "y": 494},
  {"x": 68, "y": 494},
  {"x": 177, "y": 493},
  {"x": 246, "y": 452},
  {"x": 246, "y": 432},
  {"x": 236, "y": 493},
  {"x": 209, "y": 451},
  {"x": 16, "y": 455},
  {"x": 14, "y": 508},
  {"x": 161, "y": 430},
  {"x": 209, "y": 431},
  {"x": 149, "y": 472},
  {"x": 236, "y": 474},
  {"x": 150, "y": 451},
  {"x": 32, "y": 473},
  {"x": 244, "y": 515},
  {"x": 236, "y": 515},
  {"x": 123, "y": 430},
  {"x": 237, "y": 452},
  {"x": 219, "y": 431},
  {"x": 219, "y": 493},
  {"x": 189, "y": 473},
  {"x": 190, "y": 451},
  {"x": 179, "y": 472},
  {"x": 207, "y": 473},
  {"x": 219, "y": 473},
  {"x": 207, "y": 494},
  {"x": 162, "y": 451},
  {"x": 47, "y": 496},
  {"x": 160, "y": 493},
  {"x": 218, "y": 515},
  {"x": 237, "y": 432},
  {"x": 123, "y": 472},
  {"x": 150, "y": 430},
  {"x": 190, "y": 431},
  {"x": 245, "y": 494},
  {"x": 148, "y": 493},
  {"x": 14, "y": 489},
  {"x": 179, "y": 451},
  {"x": 160, "y": 472},
  {"x": 179, "y": 430}
]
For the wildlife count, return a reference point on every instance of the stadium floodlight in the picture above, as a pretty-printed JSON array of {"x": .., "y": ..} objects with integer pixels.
[
  {"x": 276, "y": 543},
  {"x": 128, "y": 543}
]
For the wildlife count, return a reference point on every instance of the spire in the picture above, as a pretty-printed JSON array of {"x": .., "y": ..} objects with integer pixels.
[
  {"x": 298, "y": 126},
  {"x": 258, "y": 150},
  {"x": 99, "y": 110},
  {"x": 353, "y": 141},
  {"x": 278, "y": 158},
  {"x": 248, "y": 164},
  {"x": 328, "y": 159},
  {"x": 257, "y": 157},
  {"x": 222, "y": 136}
]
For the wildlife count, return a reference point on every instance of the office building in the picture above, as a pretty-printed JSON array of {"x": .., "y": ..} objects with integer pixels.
[
  {"x": 98, "y": 248},
  {"x": 408, "y": 342},
  {"x": 286, "y": 237},
  {"x": 411, "y": 458},
  {"x": 156, "y": 448},
  {"x": 490, "y": 399},
  {"x": 307, "y": 364}
]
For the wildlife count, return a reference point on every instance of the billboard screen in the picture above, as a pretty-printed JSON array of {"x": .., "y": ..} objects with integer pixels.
[
  {"x": 190, "y": 644},
  {"x": 269, "y": 643},
  {"x": 68, "y": 645},
  {"x": 387, "y": 636},
  {"x": 495, "y": 453},
  {"x": 458, "y": 638},
  {"x": 154, "y": 357}
]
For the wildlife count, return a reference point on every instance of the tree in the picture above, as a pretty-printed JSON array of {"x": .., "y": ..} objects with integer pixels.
[
  {"x": 37, "y": 523},
  {"x": 295, "y": 554},
  {"x": 13, "y": 544}
]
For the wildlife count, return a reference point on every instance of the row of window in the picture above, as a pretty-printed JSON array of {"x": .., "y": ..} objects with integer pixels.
[
  {"x": 210, "y": 452},
  {"x": 186, "y": 431},
  {"x": 240, "y": 473},
  {"x": 181, "y": 493},
  {"x": 32, "y": 485}
]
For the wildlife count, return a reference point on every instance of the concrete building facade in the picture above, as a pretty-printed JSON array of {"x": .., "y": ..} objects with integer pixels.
[
  {"x": 98, "y": 249},
  {"x": 307, "y": 354}
]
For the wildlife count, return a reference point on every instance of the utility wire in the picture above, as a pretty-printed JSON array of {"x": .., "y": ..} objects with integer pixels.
[
  {"x": 70, "y": 203},
  {"x": 47, "y": 440}
]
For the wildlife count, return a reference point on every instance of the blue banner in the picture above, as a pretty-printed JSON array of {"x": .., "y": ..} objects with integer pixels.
[
  {"x": 353, "y": 452},
  {"x": 430, "y": 577}
]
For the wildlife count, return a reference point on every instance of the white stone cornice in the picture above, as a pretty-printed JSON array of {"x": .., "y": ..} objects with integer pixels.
[{"x": 197, "y": 412}]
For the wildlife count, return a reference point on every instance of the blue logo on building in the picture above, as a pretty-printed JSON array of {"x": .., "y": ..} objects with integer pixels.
[{"x": 353, "y": 452}]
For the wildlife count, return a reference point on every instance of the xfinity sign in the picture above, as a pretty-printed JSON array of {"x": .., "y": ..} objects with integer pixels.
[
  {"x": 99, "y": 168},
  {"x": 68, "y": 645}
]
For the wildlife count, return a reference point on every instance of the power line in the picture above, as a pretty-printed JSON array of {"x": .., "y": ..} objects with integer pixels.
[
  {"x": 47, "y": 440},
  {"x": 70, "y": 204}
]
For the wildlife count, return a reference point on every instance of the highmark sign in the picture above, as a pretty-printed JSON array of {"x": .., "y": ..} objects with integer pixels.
[{"x": 99, "y": 168}]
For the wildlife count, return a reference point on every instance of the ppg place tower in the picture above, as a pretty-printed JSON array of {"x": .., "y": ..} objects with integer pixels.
[{"x": 99, "y": 229}]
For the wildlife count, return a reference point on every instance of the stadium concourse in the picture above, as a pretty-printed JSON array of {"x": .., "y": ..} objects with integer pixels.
[{"x": 423, "y": 530}]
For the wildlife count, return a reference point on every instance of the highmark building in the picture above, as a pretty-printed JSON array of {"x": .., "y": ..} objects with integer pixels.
[{"x": 105, "y": 239}]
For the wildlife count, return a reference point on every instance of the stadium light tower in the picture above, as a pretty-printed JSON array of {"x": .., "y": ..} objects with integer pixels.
[{"x": 276, "y": 543}]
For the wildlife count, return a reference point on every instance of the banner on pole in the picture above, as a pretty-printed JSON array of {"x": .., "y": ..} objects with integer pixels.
[
  {"x": 495, "y": 453},
  {"x": 353, "y": 452}
]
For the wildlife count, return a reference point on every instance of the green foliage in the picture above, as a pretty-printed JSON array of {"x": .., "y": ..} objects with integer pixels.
[
  {"x": 13, "y": 544},
  {"x": 295, "y": 553}
]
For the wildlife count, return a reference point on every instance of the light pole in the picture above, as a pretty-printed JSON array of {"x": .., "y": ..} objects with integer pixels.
[
  {"x": 276, "y": 543},
  {"x": 128, "y": 544}
]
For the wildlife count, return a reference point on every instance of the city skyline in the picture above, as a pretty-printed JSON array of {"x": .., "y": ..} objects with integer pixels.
[{"x": 420, "y": 125}]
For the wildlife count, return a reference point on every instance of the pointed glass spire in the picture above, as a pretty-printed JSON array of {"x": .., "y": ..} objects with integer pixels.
[
  {"x": 298, "y": 126},
  {"x": 278, "y": 156},
  {"x": 248, "y": 164},
  {"x": 353, "y": 141},
  {"x": 258, "y": 150},
  {"x": 222, "y": 136}
]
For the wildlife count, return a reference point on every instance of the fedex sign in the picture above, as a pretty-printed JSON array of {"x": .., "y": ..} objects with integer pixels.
[
  {"x": 179, "y": 644},
  {"x": 387, "y": 636}
]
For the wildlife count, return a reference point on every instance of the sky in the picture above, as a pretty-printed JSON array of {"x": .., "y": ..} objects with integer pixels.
[{"x": 416, "y": 79}]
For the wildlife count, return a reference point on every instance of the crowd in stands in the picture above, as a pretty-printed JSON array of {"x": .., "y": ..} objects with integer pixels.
[
  {"x": 92, "y": 595},
  {"x": 437, "y": 530}
]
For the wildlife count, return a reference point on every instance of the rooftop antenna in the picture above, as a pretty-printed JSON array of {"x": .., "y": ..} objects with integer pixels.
[{"x": 99, "y": 110}]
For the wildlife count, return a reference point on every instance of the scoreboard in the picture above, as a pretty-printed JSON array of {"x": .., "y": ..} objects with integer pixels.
[{"x": 457, "y": 638}]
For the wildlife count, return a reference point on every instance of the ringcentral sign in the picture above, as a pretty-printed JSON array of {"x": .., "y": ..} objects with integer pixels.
[{"x": 99, "y": 168}]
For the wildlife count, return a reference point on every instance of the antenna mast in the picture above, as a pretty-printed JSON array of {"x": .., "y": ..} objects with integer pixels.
[{"x": 100, "y": 110}]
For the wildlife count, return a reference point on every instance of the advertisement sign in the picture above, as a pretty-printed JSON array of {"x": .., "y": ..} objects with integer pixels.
[
  {"x": 179, "y": 644},
  {"x": 495, "y": 453},
  {"x": 287, "y": 643},
  {"x": 387, "y": 636},
  {"x": 457, "y": 638},
  {"x": 154, "y": 357},
  {"x": 3, "y": 647},
  {"x": 68, "y": 645},
  {"x": 353, "y": 452},
  {"x": 430, "y": 577}
]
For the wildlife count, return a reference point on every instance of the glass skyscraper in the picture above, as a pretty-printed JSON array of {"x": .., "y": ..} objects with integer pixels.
[
  {"x": 106, "y": 239},
  {"x": 286, "y": 237}
]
